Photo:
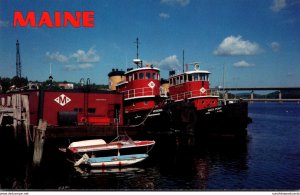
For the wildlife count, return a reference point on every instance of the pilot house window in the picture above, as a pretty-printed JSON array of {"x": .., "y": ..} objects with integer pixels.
[
  {"x": 147, "y": 75},
  {"x": 141, "y": 75},
  {"x": 195, "y": 77},
  {"x": 154, "y": 76},
  {"x": 190, "y": 78},
  {"x": 177, "y": 80}
]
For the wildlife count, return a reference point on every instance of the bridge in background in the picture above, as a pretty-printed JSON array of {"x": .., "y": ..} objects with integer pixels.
[
  {"x": 253, "y": 89},
  {"x": 260, "y": 88}
]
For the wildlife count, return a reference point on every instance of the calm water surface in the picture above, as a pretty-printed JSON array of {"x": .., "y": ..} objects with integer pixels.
[{"x": 268, "y": 160}]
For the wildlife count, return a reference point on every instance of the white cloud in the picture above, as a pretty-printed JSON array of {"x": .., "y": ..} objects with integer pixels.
[
  {"x": 169, "y": 63},
  {"x": 74, "y": 67},
  {"x": 57, "y": 57},
  {"x": 89, "y": 56},
  {"x": 70, "y": 67},
  {"x": 176, "y": 2},
  {"x": 79, "y": 60},
  {"x": 164, "y": 15},
  {"x": 243, "y": 64},
  {"x": 278, "y": 5},
  {"x": 275, "y": 46},
  {"x": 4, "y": 23},
  {"x": 85, "y": 66},
  {"x": 237, "y": 46}
]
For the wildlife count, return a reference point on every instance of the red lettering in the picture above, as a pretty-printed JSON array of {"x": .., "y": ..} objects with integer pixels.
[
  {"x": 57, "y": 18},
  {"x": 88, "y": 19},
  {"x": 45, "y": 19},
  {"x": 84, "y": 19},
  {"x": 68, "y": 17},
  {"x": 30, "y": 18}
]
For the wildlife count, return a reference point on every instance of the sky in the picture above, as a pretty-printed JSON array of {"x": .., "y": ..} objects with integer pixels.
[{"x": 253, "y": 42}]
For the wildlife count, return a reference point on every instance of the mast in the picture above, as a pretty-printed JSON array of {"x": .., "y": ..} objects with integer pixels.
[
  {"x": 137, "y": 61},
  {"x": 183, "y": 61},
  {"x": 224, "y": 96},
  {"x": 223, "y": 77},
  {"x": 137, "y": 47},
  {"x": 50, "y": 73}
]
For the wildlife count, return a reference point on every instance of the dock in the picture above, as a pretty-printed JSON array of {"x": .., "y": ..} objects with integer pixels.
[{"x": 36, "y": 116}]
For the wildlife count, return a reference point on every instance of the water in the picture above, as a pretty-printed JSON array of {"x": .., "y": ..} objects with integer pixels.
[{"x": 268, "y": 160}]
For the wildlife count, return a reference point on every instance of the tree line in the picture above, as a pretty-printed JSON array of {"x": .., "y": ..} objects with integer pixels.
[{"x": 15, "y": 83}]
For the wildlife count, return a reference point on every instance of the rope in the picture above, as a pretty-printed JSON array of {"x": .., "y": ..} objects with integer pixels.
[
  {"x": 143, "y": 120},
  {"x": 150, "y": 148}
]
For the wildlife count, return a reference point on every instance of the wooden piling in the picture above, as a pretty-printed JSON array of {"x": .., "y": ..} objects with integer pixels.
[
  {"x": 39, "y": 141},
  {"x": 17, "y": 111},
  {"x": 2, "y": 101},
  {"x": 1, "y": 118},
  {"x": 26, "y": 118},
  {"x": 8, "y": 102}
]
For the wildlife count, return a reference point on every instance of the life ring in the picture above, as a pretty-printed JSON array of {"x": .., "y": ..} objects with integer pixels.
[{"x": 83, "y": 119}]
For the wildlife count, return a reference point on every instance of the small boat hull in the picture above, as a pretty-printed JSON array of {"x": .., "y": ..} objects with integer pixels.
[
  {"x": 116, "y": 161},
  {"x": 122, "y": 145}
]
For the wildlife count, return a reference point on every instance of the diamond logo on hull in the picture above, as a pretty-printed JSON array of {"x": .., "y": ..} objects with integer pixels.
[
  {"x": 151, "y": 84},
  {"x": 202, "y": 90},
  {"x": 62, "y": 99}
]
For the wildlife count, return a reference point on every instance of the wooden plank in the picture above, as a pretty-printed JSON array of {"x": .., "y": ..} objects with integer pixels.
[
  {"x": 39, "y": 141},
  {"x": 1, "y": 118},
  {"x": 26, "y": 118}
]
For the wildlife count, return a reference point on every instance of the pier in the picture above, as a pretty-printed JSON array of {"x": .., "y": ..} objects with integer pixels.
[
  {"x": 37, "y": 116},
  {"x": 253, "y": 89}
]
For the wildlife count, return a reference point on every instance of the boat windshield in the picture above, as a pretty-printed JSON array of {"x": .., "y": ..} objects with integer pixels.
[{"x": 123, "y": 138}]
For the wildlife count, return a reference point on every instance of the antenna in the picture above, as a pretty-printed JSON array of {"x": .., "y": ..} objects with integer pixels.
[
  {"x": 18, "y": 60},
  {"x": 223, "y": 77},
  {"x": 50, "y": 73},
  {"x": 50, "y": 69}
]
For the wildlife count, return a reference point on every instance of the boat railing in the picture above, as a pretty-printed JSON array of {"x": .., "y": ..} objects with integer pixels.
[
  {"x": 194, "y": 94},
  {"x": 139, "y": 92}
]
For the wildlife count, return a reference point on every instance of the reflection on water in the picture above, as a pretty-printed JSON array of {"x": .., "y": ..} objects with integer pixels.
[
  {"x": 268, "y": 159},
  {"x": 14, "y": 169},
  {"x": 170, "y": 166}
]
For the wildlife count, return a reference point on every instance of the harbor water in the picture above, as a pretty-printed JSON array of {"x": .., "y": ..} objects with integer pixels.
[{"x": 268, "y": 159}]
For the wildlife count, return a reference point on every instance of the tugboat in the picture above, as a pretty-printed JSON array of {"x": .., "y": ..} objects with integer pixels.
[
  {"x": 141, "y": 90},
  {"x": 197, "y": 109},
  {"x": 184, "y": 103}
]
